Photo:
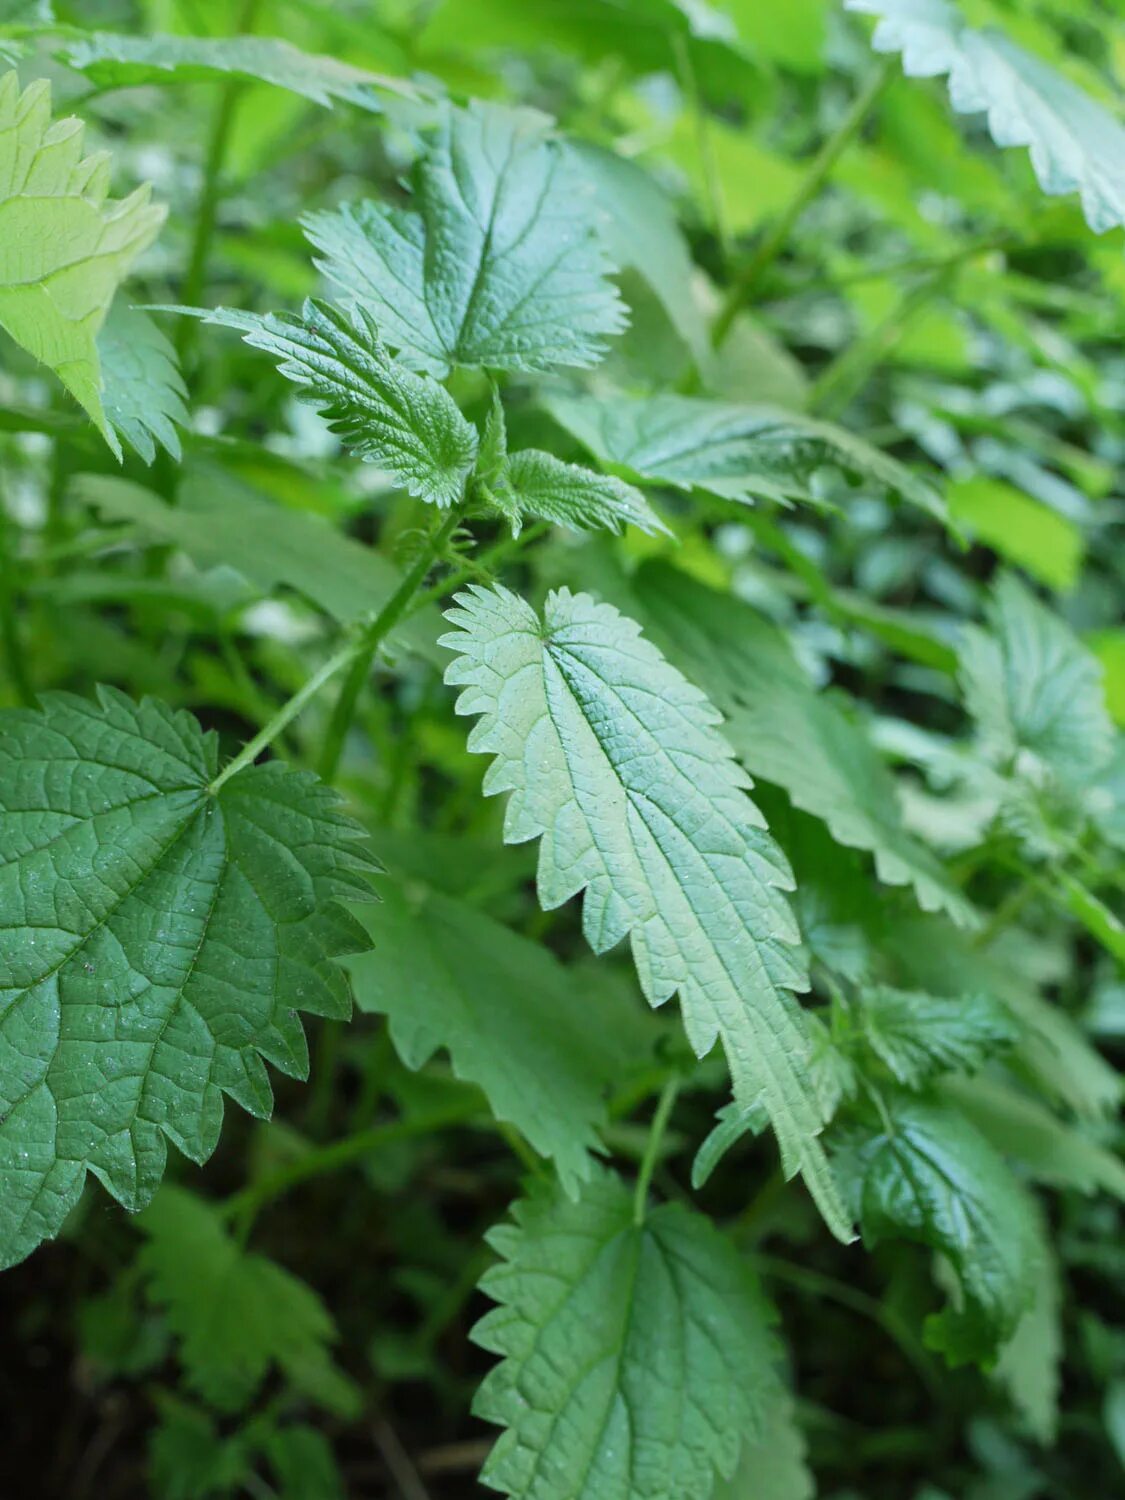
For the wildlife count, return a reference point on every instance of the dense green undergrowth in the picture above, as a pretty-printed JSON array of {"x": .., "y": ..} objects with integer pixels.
[{"x": 696, "y": 427}]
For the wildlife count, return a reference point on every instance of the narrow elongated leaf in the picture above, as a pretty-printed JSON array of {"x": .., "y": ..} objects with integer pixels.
[
  {"x": 734, "y": 451},
  {"x": 784, "y": 731},
  {"x": 65, "y": 245},
  {"x": 1076, "y": 145},
  {"x": 143, "y": 392},
  {"x": 1030, "y": 1363},
  {"x": 234, "y": 1314},
  {"x": 1033, "y": 688},
  {"x": 637, "y": 1358},
  {"x": 406, "y": 423},
  {"x": 112, "y": 61},
  {"x": 927, "y": 1175},
  {"x": 510, "y": 1015},
  {"x": 544, "y": 486},
  {"x": 157, "y": 941},
  {"x": 499, "y": 264},
  {"x": 919, "y": 1036},
  {"x": 614, "y": 760}
]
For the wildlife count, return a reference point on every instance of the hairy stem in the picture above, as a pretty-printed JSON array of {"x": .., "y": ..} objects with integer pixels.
[
  {"x": 370, "y": 641},
  {"x": 745, "y": 282},
  {"x": 652, "y": 1147}
]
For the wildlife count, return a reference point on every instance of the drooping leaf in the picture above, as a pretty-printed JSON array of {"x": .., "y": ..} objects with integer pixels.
[
  {"x": 143, "y": 393},
  {"x": 784, "y": 731},
  {"x": 158, "y": 941},
  {"x": 65, "y": 245},
  {"x": 1029, "y": 1366},
  {"x": 219, "y": 521},
  {"x": 188, "y": 1457},
  {"x": 637, "y": 1358},
  {"x": 926, "y": 1174},
  {"x": 111, "y": 61},
  {"x": 385, "y": 413},
  {"x": 919, "y": 1036},
  {"x": 1033, "y": 688},
  {"x": 734, "y": 451},
  {"x": 499, "y": 264},
  {"x": 1076, "y": 145},
  {"x": 614, "y": 760},
  {"x": 511, "y": 1016},
  {"x": 235, "y": 1314}
]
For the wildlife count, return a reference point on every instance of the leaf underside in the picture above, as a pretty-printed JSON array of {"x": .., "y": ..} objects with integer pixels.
[{"x": 614, "y": 760}]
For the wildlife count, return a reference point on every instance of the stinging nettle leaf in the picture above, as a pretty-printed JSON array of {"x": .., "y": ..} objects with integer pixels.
[
  {"x": 497, "y": 266},
  {"x": 1033, "y": 688},
  {"x": 143, "y": 392},
  {"x": 735, "y": 451},
  {"x": 919, "y": 1036},
  {"x": 511, "y": 1016},
  {"x": 637, "y": 1358},
  {"x": 926, "y": 1174},
  {"x": 112, "y": 61},
  {"x": 1076, "y": 145},
  {"x": 615, "y": 761},
  {"x": 158, "y": 941},
  {"x": 543, "y": 486},
  {"x": 384, "y": 412},
  {"x": 234, "y": 1314},
  {"x": 64, "y": 244}
]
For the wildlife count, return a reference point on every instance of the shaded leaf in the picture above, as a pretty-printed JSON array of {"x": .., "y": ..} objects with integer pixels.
[{"x": 143, "y": 392}]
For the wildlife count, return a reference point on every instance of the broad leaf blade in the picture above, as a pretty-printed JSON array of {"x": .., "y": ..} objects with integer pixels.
[
  {"x": 64, "y": 244},
  {"x": 927, "y": 1175},
  {"x": 510, "y": 1015},
  {"x": 637, "y": 1359},
  {"x": 614, "y": 760},
  {"x": 158, "y": 940},
  {"x": 499, "y": 266},
  {"x": 235, "y": 1314},
  {"x": 919, "y": 1036}
]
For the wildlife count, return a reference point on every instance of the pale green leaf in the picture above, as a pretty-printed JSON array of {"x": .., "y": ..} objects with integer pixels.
[
  {"x": 736, "y": 451},
  {"x": 384, "y": 412},
  {"x": 512, "y": 1018},
  {"x": 1034, "y": 689},
  {"x": 1020, "y": 528},
  {"x": 143, "y": 392},
  {"x": 497, "y": 265},
  {"x": 235, "y": 1314},
  {"x": 64, "y": 244},
  {"x": 1076, "y": 145},
  {"x": 926, "y": 1174},
  {"x": 919, "y": 1036},
  {"x": 613, "y": 758},
  {"x": 112, "y": 62},
  {"x": 784, "y": 731},
  {"x": 568, "y": 494},
  {"x": 1029, "y": 1366},
  {"x": 158, "y": 941},
  {"x": 637, "y": 1358}
]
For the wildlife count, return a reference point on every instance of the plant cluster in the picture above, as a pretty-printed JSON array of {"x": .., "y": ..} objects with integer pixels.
[{"x": 698, "y": 411}]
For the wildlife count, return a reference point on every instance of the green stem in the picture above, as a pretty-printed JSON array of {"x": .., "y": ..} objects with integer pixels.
[
  {"x": 744, "y": 284},
  {"x": 1006, "y": 913},
  {"x": 703, "y": 145},
  {"x": 9, "y": 623},
  {"x": 481, "y": 565},
  {"x": 652, "y": 1146},
  {"x": 287, "y": 713},
  {"x": 363, "y": 653},
  {"x": 342, "y": 1153},
  {"x": 207, "y": 215}
]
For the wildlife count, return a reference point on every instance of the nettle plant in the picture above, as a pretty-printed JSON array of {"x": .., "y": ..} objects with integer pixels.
[{"x": 850, "y": 995}]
